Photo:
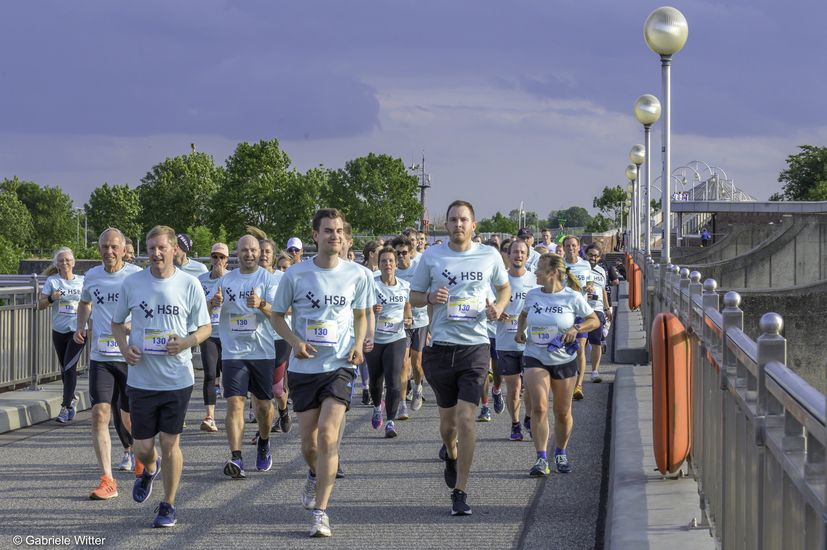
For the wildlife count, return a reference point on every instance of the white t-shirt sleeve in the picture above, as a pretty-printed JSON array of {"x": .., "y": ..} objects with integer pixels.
[
  {"x": 581, "y": 307},
  {"x": 421, "y": 280},
  {"x": 500, "y": 275},
  {"x": 121, "y": 310},
  {"x": 283, "y": 298},
  {"x": 199, "y": 314},
  {"x": 365, "y": 293}
]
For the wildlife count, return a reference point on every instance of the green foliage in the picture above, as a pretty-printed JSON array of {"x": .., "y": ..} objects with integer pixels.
[
  {"x": 530, "y": 219},
  {"x": 655, "y": 204},
  {"x": 805, "y": 178},
  {"x": 574, "y": 216},
  {"x": 598, "y": 224},
  {"x": 10, "y": 255},
  {"x": 179, "y": 192},
  {"x": 376, "y": 194},
  {"x": 114, "y": 206},
  {"x": 52, "y": 217},
  {"x": 17, "y": 228},
  {"x": 611, "y": 201},
  {"x": 91, "y": 252},
  {"x": 202, "y": 240},
  {"x": 261, "y": 189},
  {"x": 498, "y": 223}
]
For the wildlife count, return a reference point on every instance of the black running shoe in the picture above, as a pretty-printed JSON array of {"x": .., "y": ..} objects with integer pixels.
[
  {"x": 366, "y": 400},
  {"x": 458, "y": 505},
  {"x": 443, "y": 453},
  {"x": 339, "y": 472},
  {"x": 451, "y": 472}
]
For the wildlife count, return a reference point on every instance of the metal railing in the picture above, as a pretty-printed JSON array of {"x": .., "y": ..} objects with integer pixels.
[
  {"x": 759, "y": 436},
  {"x": 27, "y": 355}
]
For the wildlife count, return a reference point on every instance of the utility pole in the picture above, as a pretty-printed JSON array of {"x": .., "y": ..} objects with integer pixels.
[{"x": 424, "y": 183}]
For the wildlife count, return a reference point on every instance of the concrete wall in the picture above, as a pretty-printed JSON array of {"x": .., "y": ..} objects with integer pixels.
[
  {"x": 804, "y": 310},
  {"x": 795, "y": 255},
  {"x": 739, "y": 239}
]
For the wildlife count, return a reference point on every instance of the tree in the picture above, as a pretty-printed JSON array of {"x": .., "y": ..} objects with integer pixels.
[
  {"x": 52, "y": 216},
  {"x": 599, "y": 224},
  {"x": 611, "y": 201},
  {"x": 376, "y": 193},
  {"x": 10, "y": 256},
  {"x": 179, "y": 192},
  {"x": 17, "y": 228},
  {"x": 498, "y": 223},
  {"x": 805, "y": 178},
  {"x": 530, "y": 219},
  {"x": 203, "y": 239},
  {"x": 114, "y": 206},
  {"x": 261, "y": 189},
  {"x": 574, "y": 216}
]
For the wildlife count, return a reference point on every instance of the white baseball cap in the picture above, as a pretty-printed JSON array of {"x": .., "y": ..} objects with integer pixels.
[{"x": 294, "y": 242}]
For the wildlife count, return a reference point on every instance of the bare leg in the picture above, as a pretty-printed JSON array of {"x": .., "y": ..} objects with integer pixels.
[
  {"x": 331, "y": 419},
  {"x": 234, "y": 423},
  {"x": 459, "y": 418},
  {"x": 172, "y": 463},
  {"x": 512, "y": 401},
  {"x": 537, "y": 386},
  {"x": 100, "y": 436},
  {"x": 563, "y": 421}
]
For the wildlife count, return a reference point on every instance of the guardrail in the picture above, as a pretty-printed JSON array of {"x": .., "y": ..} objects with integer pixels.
[
  {"x": 759, "y": 436},
  {"x": 27, "y": 355}
]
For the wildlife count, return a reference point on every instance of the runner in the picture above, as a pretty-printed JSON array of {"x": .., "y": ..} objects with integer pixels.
[
  {"x": 421, "y": 241},
  {"x": 62, "y": 291},
  {"x": 455, "y": 279},
  {"x": 417, "y": 334},
  {"x": 187, "y": 265},
  {"x": 248, "y": 356},
  {"x": 102, "y": 291},
  {"x": 211, "y": 347},
  {"x": 598, "y": 299},
  {"x": 509, "y": 351},
  {"x": 533, "y": 256},
  {"x": 393, "y": 316},
  {"x": 550, "y": 357},
  {"x": 169, "y": 316},
  {"x": 283, "y": 262},
  {"x": 370, "y": 256},
  {"x": 328, "y": 296},
  {"x": 295, "y": 249},
  {"x": 547, "y": 241},
  {"x": 582, "y": 271},
  {"x": 129, "y": 251}
]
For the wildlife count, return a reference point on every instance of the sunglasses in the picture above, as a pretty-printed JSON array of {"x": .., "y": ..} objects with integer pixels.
[
  {"x": 218, "y": 257},
  {"x": 293, "y": 250},
  {"x": 593, "y": 255},
  {"x": 402, "y": 252}
]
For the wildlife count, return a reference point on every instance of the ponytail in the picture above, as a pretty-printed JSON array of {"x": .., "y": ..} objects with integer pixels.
[{"x": 572, "y": 282}]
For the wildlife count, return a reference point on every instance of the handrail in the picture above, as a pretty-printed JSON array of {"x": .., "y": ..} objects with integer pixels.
[{"x": 759, "y": 441}]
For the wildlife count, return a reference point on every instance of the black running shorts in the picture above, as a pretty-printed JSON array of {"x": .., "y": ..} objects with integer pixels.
[
  {"x": 308, "y": 391},
  {"x": 106, "y": 378},
  {"x": 509, "y": 362},
  {"x": 456, "y": 372},
  {"x": 240, "y": 376},
  {"x": 558, "y": 372},
  {"x": 155, "y": 411}
]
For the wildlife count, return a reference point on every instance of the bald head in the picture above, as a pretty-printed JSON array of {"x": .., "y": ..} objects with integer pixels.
[
  {"x": 248, "y": 252},
  {"x": 112, "y": 234}
]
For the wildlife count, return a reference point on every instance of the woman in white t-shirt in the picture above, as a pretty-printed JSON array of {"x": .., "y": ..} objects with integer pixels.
[
  {"x": 62, "y": 292},
  {"x": 550, "y": 356}
]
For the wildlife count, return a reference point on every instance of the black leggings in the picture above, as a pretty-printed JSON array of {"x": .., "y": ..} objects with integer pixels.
[
  {"x": 211, "y": 362},
  {"x": 123, "y": 433},
  {"x": 68, "y": 354},
  {"x": 385, "y": 360}
]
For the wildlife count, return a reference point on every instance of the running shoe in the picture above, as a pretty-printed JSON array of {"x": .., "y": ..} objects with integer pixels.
[
  {"x": 143, "y": 485},
  {"x": 409, "y": 391},
  {"x": 139, "y": 468},
  {"x": 264, "y": 460},
  {"x": 254, "y": 441},
  {"x": 376, "y": 419},
  {"x": 127, "y": 463},
  {"x": 443, "y": 453},
  {"x": 578, "y": 393},
  {"x": 276, "y": 427},
  {"x": 309, "y": 492},
  {"x": 458, "y": 505},
  {"x": 63, "y": 416},
  {"x": 451, "y": 472},
  {"x": 71, "y": 412},
  {"x": 321, "y": 524},
  {"x": 285, "y": 420},
  {"x": 166, "y": 515},
  {"x": 390, "y": 430},
  {"x": 403, "y": 412},
  {"x": 366, "y": 397},
  {"x": 340, "y": 474},
  {"x": 485, "y": 414},
  {"x": 416, "y": 399},
  {"x": 251, "y": 415},
  {"x": 234, "y": 468},
  {"x": 516, "y": 432},
  {"x": 540, "y": 468},
  {"x": 562, "y": 462},
  {"x": 217, "y": 392},
  {"x": 208, "y": 424},
  {"x": 596, "y": 379},
  {"x": 106, "y": 489},
  {"x": 499, "y": 402}
]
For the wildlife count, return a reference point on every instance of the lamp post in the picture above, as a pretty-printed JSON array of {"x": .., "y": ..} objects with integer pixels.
[
  {"x": 424, "y": 183},
  {"x": 647, "y": 112},
  {"x": 665, "y": 32},
  {"x": 631, "y": 175},
  {"x": 626, "y": 207},
  {"x": 637, "y": 155}
]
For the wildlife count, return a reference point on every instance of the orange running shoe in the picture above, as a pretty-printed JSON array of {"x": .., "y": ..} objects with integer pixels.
[
  {"x": 578, "y": 393},
  {"x": 139, "y": 468},
  {"x": 107, "y": 489}
]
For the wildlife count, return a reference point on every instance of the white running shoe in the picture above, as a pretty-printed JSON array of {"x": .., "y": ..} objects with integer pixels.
[
  {"x": 309, "y": 493},
  {"x": 321, "y": 525},
  {"x": 127, "y": 463}
]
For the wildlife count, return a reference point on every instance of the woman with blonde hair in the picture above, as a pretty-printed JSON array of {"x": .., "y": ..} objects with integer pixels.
[{"x": 62, "y": 292}]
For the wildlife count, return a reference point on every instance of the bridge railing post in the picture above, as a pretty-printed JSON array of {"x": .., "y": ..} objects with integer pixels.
[
  {"x": 733, "y": 425},
  {"x": 34, "y": 335},
  {"x": 683, "y": 294},
  {"x": 695, "y": 290}
]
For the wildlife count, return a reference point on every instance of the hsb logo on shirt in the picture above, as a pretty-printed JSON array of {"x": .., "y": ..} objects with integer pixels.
[
  {"x": 109, "y": 297},
  {"x": 463, "y": 276},
  {"x": 518, "y": 296},
  {"x": 538, "y": 309}
]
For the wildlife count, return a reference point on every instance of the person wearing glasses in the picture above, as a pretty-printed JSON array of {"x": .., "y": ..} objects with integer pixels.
[
  {"x": 598, "y": 299},
  {"x": 550, "y": 357},
  {"x": 295, "y": 249},
  {"x": 211, "y": 347}
]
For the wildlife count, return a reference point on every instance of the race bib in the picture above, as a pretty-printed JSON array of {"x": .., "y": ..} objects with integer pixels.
[
  {"x": 322, "y": 333},
  {"x": 388, "y": 325},
  {"x": 465, "y": 308},
  {"x": 543, "y": 335},
  {"x": 215, "y": 314},
  {"x": 107, "y": 345},
  {"x": 244, "y": 324},
  {"x": 155, "y": 341},
  {"x": 511, "y": 324},
  {"x": 67, "y": 307}
]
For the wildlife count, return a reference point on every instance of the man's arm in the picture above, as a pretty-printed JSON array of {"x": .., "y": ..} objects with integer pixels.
[
  {"x": 132, "y": 354},
  {"x": 360, "y": 328},
  {"x": 84, "y": 311}
]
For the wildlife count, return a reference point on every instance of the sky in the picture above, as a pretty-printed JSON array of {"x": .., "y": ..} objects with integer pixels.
[{"x": 526, "y": 101}]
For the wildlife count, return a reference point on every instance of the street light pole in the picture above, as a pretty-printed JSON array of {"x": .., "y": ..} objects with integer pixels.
[
  {"x": 631, "y": 175},
  {"x": 665, "y": 32},
  {"x": 647, "y": 112},
  {"x": 424, "y": 183},
  {"x": 637, "y": 155}
]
